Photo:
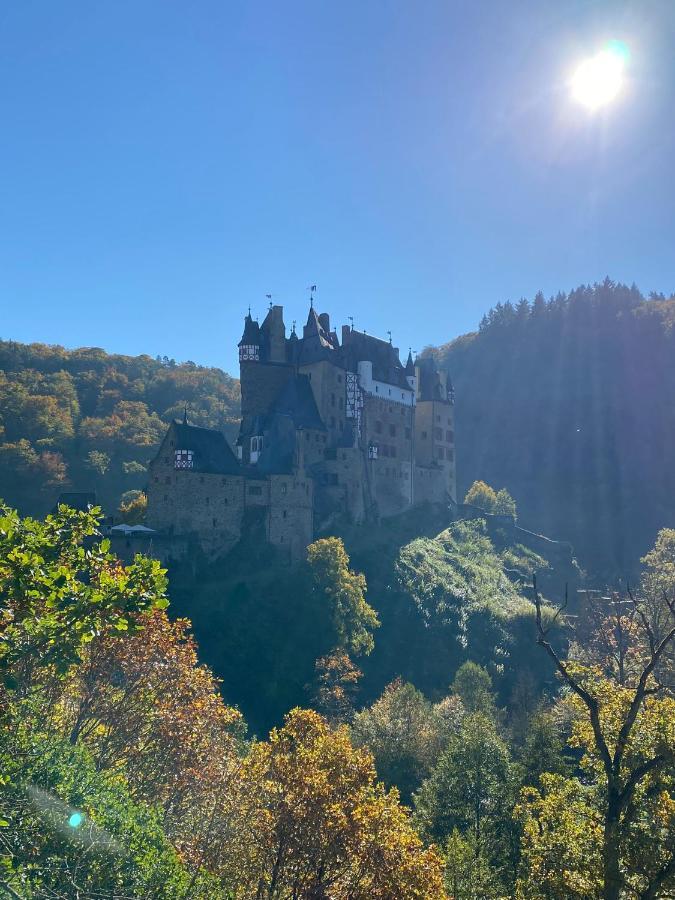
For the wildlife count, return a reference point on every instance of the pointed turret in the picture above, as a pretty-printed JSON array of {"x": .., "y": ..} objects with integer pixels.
[
  {"x": 249, "y": 345},
  {"x": 410, "y": 365}
]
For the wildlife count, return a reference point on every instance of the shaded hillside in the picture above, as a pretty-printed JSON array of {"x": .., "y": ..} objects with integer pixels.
[
  {"x": 570, "y": 403},
  {"x": 444, "y": 592},
  {"x": 88, "y": 420}
]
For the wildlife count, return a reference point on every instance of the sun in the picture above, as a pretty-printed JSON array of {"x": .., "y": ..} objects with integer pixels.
[{"x": 599, "y": 80}]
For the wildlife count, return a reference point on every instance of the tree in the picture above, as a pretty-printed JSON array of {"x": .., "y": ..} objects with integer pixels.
[
  {"x": 481, "y": 495},
  {"x": 542, "y": 751},
  {"x": 469, "y": 789},
  {"x": 98, "y": 461},
  {"x": 627, "y": 733},
  {"x": 504, "y": 505},
  {"x": 59, "y": 589},
  {"x": 133, "y": 507},
  {"x": 336, "y": 683},
  {"x": 473, "y": 686},
  {"x": 468, "y": 876},
  {"x": 405, "y": 734},
  {"x": 320, "y": 826},
  {"x": 354, "y": 620}
]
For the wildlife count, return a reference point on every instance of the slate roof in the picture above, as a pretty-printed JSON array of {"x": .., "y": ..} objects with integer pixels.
[
  {"x": 297, "y": 401},
  {"x": 212, "y": 453},
  {"x": 385, "y": 359},
  {"x": 251, "y": 335}
]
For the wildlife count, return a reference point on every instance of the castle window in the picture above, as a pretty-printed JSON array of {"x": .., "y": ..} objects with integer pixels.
[
  {"x": 156, "y": 478},
  {"x": 255, "y": 490},
  {"x": 450, "y": 436},
  {"x": 215, "y": 522},
  {"x": 342, "y": 402},
  {"x": 183, "y": 459},
  {"x": 392, "y": 451},
  {"x": 332, "y": 399},
  {"x": 167, "y": 480},
  {"x": 424, "y": 435},
  {"x": 249, "y": 352},
  {"x": 332, "y": 421},
  {"x": 390, "y": 392},
  {"x": 372, "y": 451},
  {"x": 201, "y": 479},
  {"x": 385, "y": 449},
  {"x": 225, "y": 501},
  {"x": 284, "y": 488},
  {"x": 407, "y": 433},
  {"x": 392, "y": 430},
  {"x": 450, "y": 455},
  {"x": 438, "y": 434},
  {"x": 438, "y": 418},
  {"x": 256, "y": 448},
  {"x": 171, "y": 443},
  {"x": 207, "y": 500},
  {"x": 378, "y": 427},
  {"x": 377, "y": 389},
  {"x": 284, "y": 514}
]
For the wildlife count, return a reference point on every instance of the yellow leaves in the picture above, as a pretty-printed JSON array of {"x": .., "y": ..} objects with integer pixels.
[{"x": 322, "y": 822}]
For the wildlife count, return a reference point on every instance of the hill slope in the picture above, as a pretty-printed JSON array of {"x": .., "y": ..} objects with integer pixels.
[
  {"x": 570, "y": 403},
  {"x": 88, "y": 420}
]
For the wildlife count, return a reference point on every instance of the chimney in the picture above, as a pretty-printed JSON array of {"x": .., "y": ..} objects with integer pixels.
[{"x": 324, "y": 321}]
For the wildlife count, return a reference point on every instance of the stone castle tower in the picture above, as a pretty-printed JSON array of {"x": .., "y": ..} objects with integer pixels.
[{"x": 331, "y": 428}]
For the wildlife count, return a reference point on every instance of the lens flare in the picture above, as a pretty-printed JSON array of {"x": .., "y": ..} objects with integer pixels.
[
  {"x": 598, "y": 80},
  {"x": 75, "y": 820}
]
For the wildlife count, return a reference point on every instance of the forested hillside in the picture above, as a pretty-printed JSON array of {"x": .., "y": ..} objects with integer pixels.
[
  {"x": 570, "y": 403},
  {"x": 88, "y": 420}
]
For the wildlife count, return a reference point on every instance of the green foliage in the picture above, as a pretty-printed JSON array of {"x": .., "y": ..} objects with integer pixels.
[
  {"x": 505, "y": 505},
  {"x": 473, "y": 686},
  {"x": 94, "y": 420},
  {"x": 114, "y": 847},
  {"x": 406, "y": 734},
  {"x": 457, "y": 574},
  {"x": 472, "y": 790},
  {"x": 59, "y": 588},
  {"x": 468, "y": 875},
  {"x": 345, "y": 591}
]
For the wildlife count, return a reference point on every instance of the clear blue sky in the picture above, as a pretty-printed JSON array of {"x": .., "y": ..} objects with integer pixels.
[{"x": 164, "y": 164}]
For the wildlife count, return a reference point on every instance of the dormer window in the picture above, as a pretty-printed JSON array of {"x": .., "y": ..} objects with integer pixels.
[
  {"x": 249, "y": 353},
  {"x": 256, "y": 447},
  {"x": 183, "y": 459}
]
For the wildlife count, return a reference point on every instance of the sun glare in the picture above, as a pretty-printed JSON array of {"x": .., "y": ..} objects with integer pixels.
[{"x": 598, "y": 80}]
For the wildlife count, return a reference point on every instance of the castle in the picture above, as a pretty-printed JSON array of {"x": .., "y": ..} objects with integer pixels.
[{"x": 330, "y": 428}]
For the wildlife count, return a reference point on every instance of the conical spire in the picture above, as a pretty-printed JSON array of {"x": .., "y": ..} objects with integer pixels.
[{"x": 410, "y": 365}]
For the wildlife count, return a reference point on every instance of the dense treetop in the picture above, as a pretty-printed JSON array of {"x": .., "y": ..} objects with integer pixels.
[{"x": 88, "y": 420}]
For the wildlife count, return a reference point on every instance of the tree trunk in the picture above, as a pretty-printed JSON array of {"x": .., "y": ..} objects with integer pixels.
[{"x": 610, "y": 852}]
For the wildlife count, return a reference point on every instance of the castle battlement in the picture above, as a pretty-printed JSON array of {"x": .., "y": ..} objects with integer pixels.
[{"x": 330, "y": 427}]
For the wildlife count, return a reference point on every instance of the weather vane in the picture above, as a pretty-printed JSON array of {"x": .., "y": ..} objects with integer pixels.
[
  {"x": 269, "y": 297},
  {"x": 312, "y": 291},
  {"x": 389, "y": 333},
  {"x": 351, "y": 320}
]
